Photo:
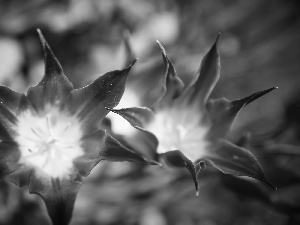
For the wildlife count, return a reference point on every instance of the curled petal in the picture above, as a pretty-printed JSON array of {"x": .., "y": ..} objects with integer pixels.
[
  {"x": 54, "y": 86},
  {"x": 173, "y": 86},
  {"x": 145, "y": 142},
  {"x": 222, "y": 112},
  {"x": 139, "y": 117},
  {"x": 234, "y": 160},
  {"x": 207, "y": 76},
  {"x": 116, "y": 152},
  {"x": 176, "y": 158},
  {"x": 91, "y": 101},
  {"x": 58, "y": 194},
  {"x": 136, "y": 116}
]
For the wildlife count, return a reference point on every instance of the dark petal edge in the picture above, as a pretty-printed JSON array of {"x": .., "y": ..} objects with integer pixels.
[
  {"x": 231, "y": 159},
  {"x": 206, "y": 77},
  {"x": 222, "y": 112},
  {"x": 173, "y": 86},
  {"x": 90, "y": 102},
  {"x": 114, "y": 151}
]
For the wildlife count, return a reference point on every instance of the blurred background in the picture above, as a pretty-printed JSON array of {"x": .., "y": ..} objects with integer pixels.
[{"x": 259, "y": 47}]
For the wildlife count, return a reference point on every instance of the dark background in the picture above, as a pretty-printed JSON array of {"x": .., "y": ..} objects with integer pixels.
[{"x": 259, "y": 47}]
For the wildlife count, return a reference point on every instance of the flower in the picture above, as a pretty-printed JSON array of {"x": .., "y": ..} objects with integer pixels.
[
  {"x": 51, "y": 137},
  {"x": 187, "y": 129}
]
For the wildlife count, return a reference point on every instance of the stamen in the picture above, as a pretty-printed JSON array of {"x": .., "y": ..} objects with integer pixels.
[
  {"x": 51, "y": 143},
  {"x": 49, "y": 125},
  {"x": 35, "y": 133},
  {"x": 67, "y": 127}
]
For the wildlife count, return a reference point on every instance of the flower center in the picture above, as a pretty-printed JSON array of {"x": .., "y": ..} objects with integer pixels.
[
  {"x": 49, "y": 141},
  {"x": 179, "y": 130}
]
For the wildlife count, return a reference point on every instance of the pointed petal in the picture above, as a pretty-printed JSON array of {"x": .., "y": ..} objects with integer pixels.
[
  {"x": 90, "y": 102},
  {"x": 136, "y": 116},
  {"x": 207, "y": 76},
  {"x": 92, "y": 145},
  {"x": 222, "y": 112},
  {"x": 176, "y": 158},
  {"x": 173, "y": 86},
  {"x": 234, "y": 160},
  {"x": 85, "y": 164},
  {"x": 59, "y": 195},
  {"x": 139, "y": 117},
  {"x": 54, "y": 86},
  {"x": 21, "y": 176},
  {"x": 144, "y": 142},
  {"x": 116, "y": 152},
  {"x": 9, "y": 156}
]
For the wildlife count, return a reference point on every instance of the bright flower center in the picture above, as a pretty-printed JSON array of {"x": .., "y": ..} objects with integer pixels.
[
  {"x": 179, "y": 130},
  {"x": 49, "y": 141}
]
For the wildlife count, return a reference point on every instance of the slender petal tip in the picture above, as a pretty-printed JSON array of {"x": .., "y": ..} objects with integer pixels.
[
  {"x": 42, "y": 38},
  {"x": 271, "y": 89},
  {"x": 163, "y": 51},
  {"x": 131, "y": 64},
  {"x": 217, "y": 39},
  {"x": 260, "y": 94},
  {"x": 271, "y": 185}
]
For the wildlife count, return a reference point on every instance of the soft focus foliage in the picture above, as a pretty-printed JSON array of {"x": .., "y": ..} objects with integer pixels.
[{"x": 259, "y": 48}]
